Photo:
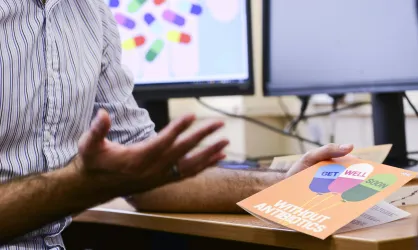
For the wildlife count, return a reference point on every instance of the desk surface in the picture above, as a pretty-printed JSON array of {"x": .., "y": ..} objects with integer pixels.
[{"x": 246, "y": 228}]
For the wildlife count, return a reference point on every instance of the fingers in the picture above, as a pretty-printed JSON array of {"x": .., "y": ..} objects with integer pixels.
[
  {"x": 203, "y": 159},
  {"x": 188, "y": 169},
  {"x": 183, "y": 146},
  {"x": 320, "y": 154},
  {"x": 91, "y": 140},
  {"x": 325, "y": 153},
  {"x": 215, "y": 159},
  {"x": 210, "y": 163},
  {"x": 167, "y": 136}
]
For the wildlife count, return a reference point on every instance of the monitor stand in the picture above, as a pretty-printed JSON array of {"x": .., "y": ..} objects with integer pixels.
[
  {"x": 389, "y": 127},
  {"x": 158, "y": 111}
]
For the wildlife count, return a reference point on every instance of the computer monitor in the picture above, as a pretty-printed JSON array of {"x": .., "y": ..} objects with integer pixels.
[
  {"x": 338, "y": 46},
  {"x": 185, "y": 48}
]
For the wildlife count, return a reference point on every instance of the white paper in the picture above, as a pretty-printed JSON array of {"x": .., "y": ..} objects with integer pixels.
[{"x": 380, "y": 213}]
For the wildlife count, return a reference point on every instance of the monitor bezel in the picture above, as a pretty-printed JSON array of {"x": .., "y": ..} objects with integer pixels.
[
  {"x": 161, "y": 91},
  {"x": 341, "y": 88}
]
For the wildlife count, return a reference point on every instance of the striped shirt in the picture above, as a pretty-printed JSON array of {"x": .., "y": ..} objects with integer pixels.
[{"x": 59, "y": 63}]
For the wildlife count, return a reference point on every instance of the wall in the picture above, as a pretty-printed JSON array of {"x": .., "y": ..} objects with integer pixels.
[{"x": 248, "y": 139}]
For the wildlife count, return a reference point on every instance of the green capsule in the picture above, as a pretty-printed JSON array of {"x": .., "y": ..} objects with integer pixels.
[
  {"x": 134, "y": 5},
  {"x": 154, "y": 50},
  {"x": 369, "y": 187}
]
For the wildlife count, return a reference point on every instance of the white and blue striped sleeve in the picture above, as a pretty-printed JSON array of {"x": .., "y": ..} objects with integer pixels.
[{"x": 114, "y": 94}]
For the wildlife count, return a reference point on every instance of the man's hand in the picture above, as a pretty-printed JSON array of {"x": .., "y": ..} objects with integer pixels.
[
  {"x": 324, "y": 153},
  {"x": 146, "y": 165}
]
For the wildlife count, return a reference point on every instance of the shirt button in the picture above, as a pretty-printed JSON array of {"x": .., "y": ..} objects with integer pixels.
[{"x": 48, "y": 136}]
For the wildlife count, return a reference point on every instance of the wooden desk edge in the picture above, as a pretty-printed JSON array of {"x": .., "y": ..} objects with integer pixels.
[
  {"x": 211, "y": 229},
  {"x": 237, "y": 232},
  {"x": 240, "y": 228}
]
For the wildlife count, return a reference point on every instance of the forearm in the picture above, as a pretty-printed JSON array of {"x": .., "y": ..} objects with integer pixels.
[
  {"x": 32, "y": 202},
  {"x": 214, "y": 190}
]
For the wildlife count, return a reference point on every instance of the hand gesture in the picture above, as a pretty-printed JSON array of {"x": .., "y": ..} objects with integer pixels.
[{"x": 146, "y": 165}]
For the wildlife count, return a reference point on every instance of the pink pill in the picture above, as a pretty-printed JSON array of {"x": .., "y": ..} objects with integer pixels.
[{"x": 351, "y": 177}]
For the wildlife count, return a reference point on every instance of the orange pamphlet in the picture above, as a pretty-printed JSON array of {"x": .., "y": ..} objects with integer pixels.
[{"x": 324, "y": 198}]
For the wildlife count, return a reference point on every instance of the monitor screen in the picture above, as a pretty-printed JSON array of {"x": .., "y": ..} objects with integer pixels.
[
  {"x": 337, "y": 46},
  {"x": 180, "y": 48}
]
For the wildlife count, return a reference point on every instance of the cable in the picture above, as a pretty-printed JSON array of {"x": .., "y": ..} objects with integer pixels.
[
  {"x": 303, "y": 107},
  {"x": 327, "y": 113},
  {"x": 416, "y": 113},
  {"x": 287, "y": 114},
  {"x": 290, "y": 120},
  {"x": 333, "y": 119},
  {"x": 410, "y": 104},
  {"x": 261, "y": 124}
]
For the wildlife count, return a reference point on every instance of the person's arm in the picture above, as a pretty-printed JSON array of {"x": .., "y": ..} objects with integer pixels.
[
  {"x": 101, "y": 171},
  {"x": 218, "y": 190},
  {"x": 32, "y": 202},
  {"x": 215, "y": 190}
]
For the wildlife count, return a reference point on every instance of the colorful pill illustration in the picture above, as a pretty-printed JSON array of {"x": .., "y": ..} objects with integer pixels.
[
  {"x": 172, "y": 17},
  {"x": 113, "y": 3},
  {"x": 188, "y": 7},
  {"x": 133, "y": 42},
  {"x": 159, "y": 2},
  {"x": 134, "y": 5},
  {"x": 352, "y": 176},
  {"x": 369, "y": 187},
  {"x": 178, "y": 37},
  {"x": 153, "y": 23},
  {"x": 155, "y": 49},
  {"x": 324, "y": 176},
  {"x": 125, "y": 21}
]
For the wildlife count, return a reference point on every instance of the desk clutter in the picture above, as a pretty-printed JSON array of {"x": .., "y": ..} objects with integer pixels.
[{"x": 334, "y": 196}]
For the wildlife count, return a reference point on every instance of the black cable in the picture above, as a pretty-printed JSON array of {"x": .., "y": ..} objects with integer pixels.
[
  {"x": 303, "y": 107},
  {"x": 287, "y": 114},
  {"x": 261, "y": 124},
  {"x": 416, "y": 113},
  {"x": 326, "y": 113},
  {"x": 335, "y": 100},
  {"x": 410, "y": 104},
  {"x": 290, "y": 119}
]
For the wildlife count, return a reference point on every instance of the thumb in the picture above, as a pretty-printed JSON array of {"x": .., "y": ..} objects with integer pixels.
[
  {"x": 325, "y": 153},
  {"x": 94, "y": 137},
  {"x": 320, "y": 154}
]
